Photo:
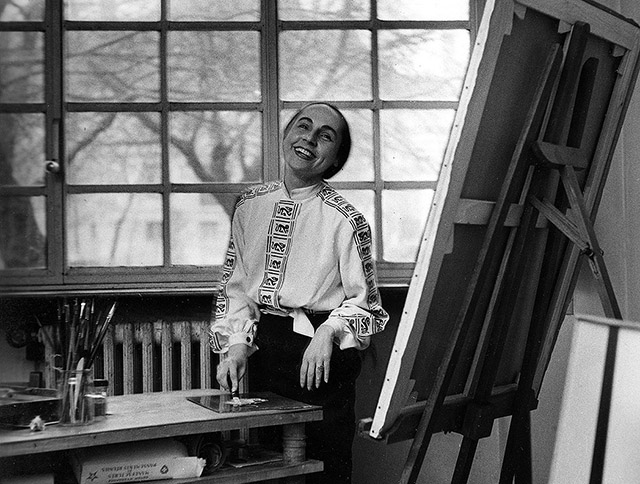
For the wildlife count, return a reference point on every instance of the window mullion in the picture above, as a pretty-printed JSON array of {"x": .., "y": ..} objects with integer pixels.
[
  {"x": 54, "y": 138},
  {"x": 377, "y": 148},
  {"x": 270, "y": 99},
  {"x": 164, "y": 139}
]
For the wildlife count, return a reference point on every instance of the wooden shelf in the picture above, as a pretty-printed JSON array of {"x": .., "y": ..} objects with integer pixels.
[
  {"x": 140, "y": 417},
  {"x": 257, "y": 473}
]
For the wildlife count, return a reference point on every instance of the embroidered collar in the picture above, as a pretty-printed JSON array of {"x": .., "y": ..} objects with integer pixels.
[{"x": 303, "y": 193}]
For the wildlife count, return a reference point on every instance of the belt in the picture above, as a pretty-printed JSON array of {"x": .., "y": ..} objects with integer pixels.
[{"x": 301, "y": 323}]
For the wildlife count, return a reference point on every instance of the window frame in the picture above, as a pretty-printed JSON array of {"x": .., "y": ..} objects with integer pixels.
[{"x": 58, "y": 278}]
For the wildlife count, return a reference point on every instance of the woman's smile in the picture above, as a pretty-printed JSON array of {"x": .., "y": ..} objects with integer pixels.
[{"x": 304, "y": 153}]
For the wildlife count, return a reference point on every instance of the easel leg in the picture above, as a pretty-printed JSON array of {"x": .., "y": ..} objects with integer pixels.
[
  {"x": 524, "y": 466},
  {"x": 465, "y": 461},
  {"x": 516, "y": 464},
  {"x": 596, "y": 261}
]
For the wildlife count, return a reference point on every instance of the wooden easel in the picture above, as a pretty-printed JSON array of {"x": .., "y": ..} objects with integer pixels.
[{"x": 554, "y": 163}]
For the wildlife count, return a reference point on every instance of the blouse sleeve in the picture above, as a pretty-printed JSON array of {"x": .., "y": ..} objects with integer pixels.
[
  {"x": 361, "y": 314},
  {"x": 235, "y": 314}
]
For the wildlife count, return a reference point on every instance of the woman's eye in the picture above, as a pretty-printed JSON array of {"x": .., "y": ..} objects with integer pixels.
[{"x": 327, "y": 137}]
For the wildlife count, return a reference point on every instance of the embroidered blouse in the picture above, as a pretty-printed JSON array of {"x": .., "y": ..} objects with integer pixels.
[{"x": 293, "y": 253}]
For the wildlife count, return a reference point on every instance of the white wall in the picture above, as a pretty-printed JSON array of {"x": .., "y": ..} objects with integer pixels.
[
  {"x": 630, "y": 154},
  {"x": 618, "y": 222}
]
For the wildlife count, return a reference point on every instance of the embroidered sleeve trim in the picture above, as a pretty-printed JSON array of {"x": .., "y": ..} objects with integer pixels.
[
  {"x": 258, "y": 191},
  {"x": 222, "y": 299},
  {"x": 364, "y": 326}
]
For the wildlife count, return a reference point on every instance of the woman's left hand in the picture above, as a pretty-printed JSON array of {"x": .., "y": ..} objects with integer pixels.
[{"x": 316, "y": 360}]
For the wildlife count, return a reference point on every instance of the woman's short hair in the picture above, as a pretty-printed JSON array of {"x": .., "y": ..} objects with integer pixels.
[{"x": 345, "y": 145}]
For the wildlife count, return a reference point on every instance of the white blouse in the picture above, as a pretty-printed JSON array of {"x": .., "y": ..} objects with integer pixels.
[{"x": 295, "y": 253}]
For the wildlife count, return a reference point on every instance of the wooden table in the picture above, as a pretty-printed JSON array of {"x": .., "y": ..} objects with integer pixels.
[{"x": 169, "y": 414}]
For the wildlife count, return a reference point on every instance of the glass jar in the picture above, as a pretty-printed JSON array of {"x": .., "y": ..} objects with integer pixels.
[
  {"x": 100, "y": 398},
  {"x": 76, "y": 405}
]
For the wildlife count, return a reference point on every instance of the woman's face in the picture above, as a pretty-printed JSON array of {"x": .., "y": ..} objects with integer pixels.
[{"x": 311, "y": 145}]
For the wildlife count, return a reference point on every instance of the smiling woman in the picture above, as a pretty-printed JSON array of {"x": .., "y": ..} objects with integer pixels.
[{"x": 299, "y": 293}]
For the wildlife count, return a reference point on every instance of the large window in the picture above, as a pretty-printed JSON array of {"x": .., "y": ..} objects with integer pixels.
[{"x": 128, "y": 127}]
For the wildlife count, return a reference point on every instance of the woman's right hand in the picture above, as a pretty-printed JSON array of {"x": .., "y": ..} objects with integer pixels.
[{"x": 233, "y": 367}]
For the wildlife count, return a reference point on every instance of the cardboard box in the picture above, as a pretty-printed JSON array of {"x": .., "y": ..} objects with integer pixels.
[{"x": 135, "y": 462}]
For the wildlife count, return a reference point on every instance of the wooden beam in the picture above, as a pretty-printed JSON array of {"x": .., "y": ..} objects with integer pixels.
[
  {"x": 598, "y": 267},
  {"x": 559, "y": 156},
  {"x": 560, "y": 221},
  {"x": 600, "y": 19}
]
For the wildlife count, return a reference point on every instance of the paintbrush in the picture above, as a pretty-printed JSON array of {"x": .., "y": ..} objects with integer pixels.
[
  {"x": 70, "y": 322},
  {"x": 45, "y": 335},
  {"x": 101, "y": 334},
  {"x": 87, "y": 322},
  {"x": 234, "y": 393},
  {"x": 82, "y": 329}
]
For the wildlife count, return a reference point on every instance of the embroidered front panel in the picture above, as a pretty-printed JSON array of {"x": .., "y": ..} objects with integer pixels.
[
  {"x": 279, "y": 238},
  {"x": 222, "y": 300}
]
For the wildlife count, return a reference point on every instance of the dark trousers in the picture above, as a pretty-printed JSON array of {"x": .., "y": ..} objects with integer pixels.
[{"x": 275, "y": 367}]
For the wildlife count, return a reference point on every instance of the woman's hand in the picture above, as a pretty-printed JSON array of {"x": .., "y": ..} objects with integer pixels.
[
  {"x": 316, "y": 360},
  {"x": 233, "y": 367}
]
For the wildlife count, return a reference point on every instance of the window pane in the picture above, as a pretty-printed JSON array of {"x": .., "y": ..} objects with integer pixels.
[
  {"x": 21, "y": 67},
  {"x": 22, "y": 146},
  {"x": 363, "y": 200},
  {"x": 325, "y": 64},
  {"x": 413, "y": 143},
  {"x": 404, "y": 215},
  {"x": 423, "y": 10},
  {"x": 113, "y": 148},
  {"x": 114, "y": 229},
  {"x": 225, "y": 66},
  {"x": 25, "y": 10},
  {"x": 200, "y": 227},
  {"x": 112, "y": 66},
  {"x": 323, "y": 9},
  {"x": 23, "y": 234},
  {"x": 109, "y": 10},
  {"x": 359, "y": 166},
  {"x": 423, "y": 64},
  {"x": 235, "y": 11},
  {"x": 215, "y": 146}
]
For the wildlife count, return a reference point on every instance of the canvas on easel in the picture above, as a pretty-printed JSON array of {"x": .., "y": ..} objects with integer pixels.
[{"x": 512, "y": 219}]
